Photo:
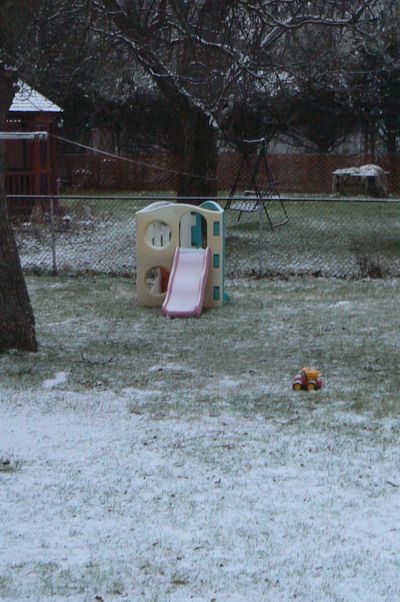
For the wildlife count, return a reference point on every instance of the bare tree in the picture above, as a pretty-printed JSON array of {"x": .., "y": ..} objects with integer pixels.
[
  {"x": 96, "y": 83},
  {"x": 375, "y": 82},
  {"x": 17, "y": 324},
  {"x": 313, "y": 100},
  {"x": 199, "y": 53}
]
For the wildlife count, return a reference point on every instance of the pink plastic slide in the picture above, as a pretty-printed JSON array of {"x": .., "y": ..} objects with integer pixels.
[{"x": 187, "y": 283}]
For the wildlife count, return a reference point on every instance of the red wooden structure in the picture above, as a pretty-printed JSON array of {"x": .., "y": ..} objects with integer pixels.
[{"x": 31, "y": 162}]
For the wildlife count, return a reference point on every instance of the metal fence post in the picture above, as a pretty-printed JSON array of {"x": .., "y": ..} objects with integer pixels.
[
  {"x": 260, "y": 233},
  {"x": 53, "y": 239}
]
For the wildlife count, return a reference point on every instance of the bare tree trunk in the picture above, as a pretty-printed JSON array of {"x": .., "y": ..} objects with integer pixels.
[
  {"x": 199, "y": 157},
  {"x": 199, "y": 152},
  {"x": 17, "y": 323},
  {"x": 391, "y": 133}
]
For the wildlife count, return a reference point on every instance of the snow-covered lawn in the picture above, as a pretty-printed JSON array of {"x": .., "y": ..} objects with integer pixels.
[{"x": 149, "y": 459}]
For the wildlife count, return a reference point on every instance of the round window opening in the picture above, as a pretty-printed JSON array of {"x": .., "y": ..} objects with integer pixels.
[
  {"x": 158, "y": 235},
  {"x": 157, "y": 280}
]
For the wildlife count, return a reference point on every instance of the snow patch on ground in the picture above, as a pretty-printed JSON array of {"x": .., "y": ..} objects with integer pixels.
[
  {"x": 171, "y": 367},
  {"x": 341, "y": 305},
  {"x": 59, "y": 379},
  {"x": 174, "y": 507}
]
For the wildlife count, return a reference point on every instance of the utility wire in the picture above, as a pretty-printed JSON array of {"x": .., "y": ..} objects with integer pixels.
[{"x": 127, "y": 160}]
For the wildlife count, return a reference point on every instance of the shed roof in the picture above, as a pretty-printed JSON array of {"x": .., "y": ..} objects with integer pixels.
[{"x": 29, "y": 100}]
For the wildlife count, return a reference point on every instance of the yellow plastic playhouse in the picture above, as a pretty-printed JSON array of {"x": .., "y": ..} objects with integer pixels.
[{"x": 180, "y": 257}]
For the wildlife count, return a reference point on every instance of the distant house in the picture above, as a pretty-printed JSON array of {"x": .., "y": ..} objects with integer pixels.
[{"x": 30, "y": 154}]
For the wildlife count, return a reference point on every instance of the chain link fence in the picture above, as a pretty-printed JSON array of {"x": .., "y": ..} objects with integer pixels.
[{"x": 329, "y": 237}]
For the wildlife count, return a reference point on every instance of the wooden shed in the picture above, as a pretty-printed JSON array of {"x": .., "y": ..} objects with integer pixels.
[{"x": 30, "y": 153}]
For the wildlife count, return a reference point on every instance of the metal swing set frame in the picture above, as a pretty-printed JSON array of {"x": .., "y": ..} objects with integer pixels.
[{"x": 256, "y": 197}]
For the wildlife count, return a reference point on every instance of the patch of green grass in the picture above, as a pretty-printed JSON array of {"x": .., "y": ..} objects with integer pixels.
[
  {"x": 8, "y": 465},
  {"x": 243, "y": 354},
  {"x": 48, "y": 579},
  {"x": 334, "y": 238}
]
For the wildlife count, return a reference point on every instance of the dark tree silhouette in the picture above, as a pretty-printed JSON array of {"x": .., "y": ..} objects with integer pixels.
[{"x": 17, "y": 324}]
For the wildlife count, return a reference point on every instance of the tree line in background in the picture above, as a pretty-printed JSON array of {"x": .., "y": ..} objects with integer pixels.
[
  {"x": 150, "y": 72},
  {"x": 190, "y": 75}
]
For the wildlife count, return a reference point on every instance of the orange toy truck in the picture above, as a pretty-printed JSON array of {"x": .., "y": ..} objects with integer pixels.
[{"x": 308, "y": 379}]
